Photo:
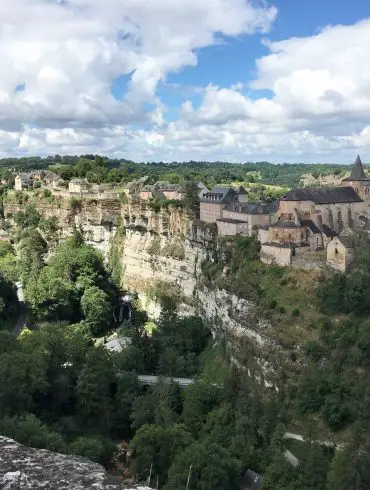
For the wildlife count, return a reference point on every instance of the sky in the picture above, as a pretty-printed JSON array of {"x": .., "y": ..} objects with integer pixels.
[{"x": 178, "y": 80}]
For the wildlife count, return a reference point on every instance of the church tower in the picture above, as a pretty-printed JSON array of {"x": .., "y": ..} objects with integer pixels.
[{"x": 358, "y": 180}]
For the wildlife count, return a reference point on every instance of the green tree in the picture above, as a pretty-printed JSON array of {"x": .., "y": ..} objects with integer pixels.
[
  {"x": 199, "y": 399},
  {"x": 97, "y": 309},
  {"x": 156, "y": 447},
  {"x": 350, "y": 469},
  {"x": 94, "y": 389},
  {"x": 50, "y": 296},
  {"x": 206, "y": 465}
]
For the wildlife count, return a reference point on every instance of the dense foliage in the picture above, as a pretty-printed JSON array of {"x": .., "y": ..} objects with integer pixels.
[{"x": 102, "y": 169}]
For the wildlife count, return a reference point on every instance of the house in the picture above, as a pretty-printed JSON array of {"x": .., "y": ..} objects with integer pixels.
[
  {"x": 257, "y": 215},
  {"x": 212, "y": 203},
  {"x": 170, "y": 191},
  {"x": 131, "y": 189},
  {"x": 52, "y": 179},
  {"x": 340, "y": 253},
  {"x": 358, "y": 180},
  {"x": 78, "y": 185},
  {"x": 23, "y": 181},
  {"x": 151, "y": 192}
]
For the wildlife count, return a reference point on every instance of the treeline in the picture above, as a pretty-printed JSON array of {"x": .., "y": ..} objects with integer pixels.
[{"x": 100, "y": 169}]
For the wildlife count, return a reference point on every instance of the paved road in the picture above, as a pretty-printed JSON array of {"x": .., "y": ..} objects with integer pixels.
[{"x": 152, "y": 380}]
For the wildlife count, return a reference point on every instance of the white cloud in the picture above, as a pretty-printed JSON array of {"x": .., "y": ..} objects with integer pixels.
[{"x": 66, "y": 55}]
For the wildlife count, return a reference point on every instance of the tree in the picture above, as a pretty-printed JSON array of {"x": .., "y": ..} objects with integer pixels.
[
  {"x": 350, "y": 469},
  {"x": 51, "y": 296},
  {"x": 208, "y": 466},
  {"x": 199, "y": 399},
  {"x": 156, "y": 447},
  {"x": 97, "y": 309},
  {"x": 191, "y": 198},
  {"x": 28, "y": 429},
  {"x": 94, "y": 389}
]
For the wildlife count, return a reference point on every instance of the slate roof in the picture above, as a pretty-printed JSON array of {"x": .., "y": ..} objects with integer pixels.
[
  {"x": 311, "y": 225},
  {"x": 329, "y": 231},
  {"x": 251, "y": 207},
  {"x": 231, "y": 220},
  {"x": 285, "y": 224},
  {"x": 242, "y": 190},
  {"x": 324, "y": 195},
  {"x": 219, "y": 195},
  {"x": 358, "y": 172},
  {"x": 166, "y": 186}
]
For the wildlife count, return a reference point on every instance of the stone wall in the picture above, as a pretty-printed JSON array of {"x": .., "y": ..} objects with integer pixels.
[
  {"x": 305, "y": 258},
  {"x": 276, "y": 254}
]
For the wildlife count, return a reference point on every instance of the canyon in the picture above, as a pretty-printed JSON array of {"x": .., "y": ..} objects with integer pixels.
[{"x": 162, "y": 250}]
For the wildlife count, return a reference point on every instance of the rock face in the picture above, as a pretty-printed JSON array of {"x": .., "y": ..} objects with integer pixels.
[{"x": 22, "y": 467}]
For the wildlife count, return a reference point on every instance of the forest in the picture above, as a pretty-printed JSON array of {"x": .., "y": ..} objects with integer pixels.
[{"x": 102, "y": 169}]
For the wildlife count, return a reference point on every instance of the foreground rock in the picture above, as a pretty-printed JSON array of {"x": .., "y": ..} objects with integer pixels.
[{"x": 22, "y": 467}]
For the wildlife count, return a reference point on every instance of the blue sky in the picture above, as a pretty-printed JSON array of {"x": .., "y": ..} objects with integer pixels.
[{"x": 283, "y": 80}]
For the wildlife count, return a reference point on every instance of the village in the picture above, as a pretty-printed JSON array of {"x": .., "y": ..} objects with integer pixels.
[{"x": 307, "y": 228}]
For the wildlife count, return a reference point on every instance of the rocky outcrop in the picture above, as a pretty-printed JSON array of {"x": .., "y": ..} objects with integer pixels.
[{"x": 22, "y": 467}]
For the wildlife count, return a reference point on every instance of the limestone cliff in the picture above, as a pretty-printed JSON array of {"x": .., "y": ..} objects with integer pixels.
[
  {"x": 161, "y": 246},
  {"x": 27, "y": 468},
  {"x": 98, "y": 219}
]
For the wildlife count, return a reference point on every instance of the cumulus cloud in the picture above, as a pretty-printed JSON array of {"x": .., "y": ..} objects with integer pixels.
[
  {"x": 61, "y": 58},
  {"x": 66, "y": 55},
  {"x": 320, "y": 98}
]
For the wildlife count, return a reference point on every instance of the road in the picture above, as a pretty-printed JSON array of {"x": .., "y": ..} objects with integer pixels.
[{"x": 152, "y": 380}]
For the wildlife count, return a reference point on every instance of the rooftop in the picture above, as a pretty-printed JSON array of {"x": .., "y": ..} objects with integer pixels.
[
  {"x": 358, "y": 172},
  {"x": 230, "y": 220},
  {"x": 324, "y": 195}
]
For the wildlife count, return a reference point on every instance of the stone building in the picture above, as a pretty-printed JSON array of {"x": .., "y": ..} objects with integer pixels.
[
  {"x": 358, "y": 180},
  {"x": 339, "y": 208},
  {"x": 23, "y": 181},
  {"x": 340, "y": 253},
  {"x": 78, "y": 185},
  {"x": 232, "y": 227},
  {"x": 212, "y": 203}
]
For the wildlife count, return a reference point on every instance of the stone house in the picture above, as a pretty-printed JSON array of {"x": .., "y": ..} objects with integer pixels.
[
  {"x": 52, "y": 179},
  {"x": 257, "y": 215},
  {"x": 170, "y": 191},
  {"x": 212, "y": 203},
  {"x": 340, "y": 253},
  {"x": 23, "y": 181},
  {"x": 78, "y": 186}
]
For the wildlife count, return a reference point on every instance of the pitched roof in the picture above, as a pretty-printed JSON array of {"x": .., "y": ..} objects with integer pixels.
[
  {"x": 329, "y": 231},
  {"x": 242, "y": 190},
  {"x": 231, "y": 220},
  {"x": 346, "y": 241},
  {"x": 358, "y": 172},
  {"x": 285, "y": 224},
  {"x": 219, "y": 195},
  {"x": 311, "y": 225},
  {"x": 250, "y": 207},
  {"x": 324, "y": 195}
]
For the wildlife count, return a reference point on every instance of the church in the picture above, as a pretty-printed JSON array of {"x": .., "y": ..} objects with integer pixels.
[{"x": 311, "y": 218}]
